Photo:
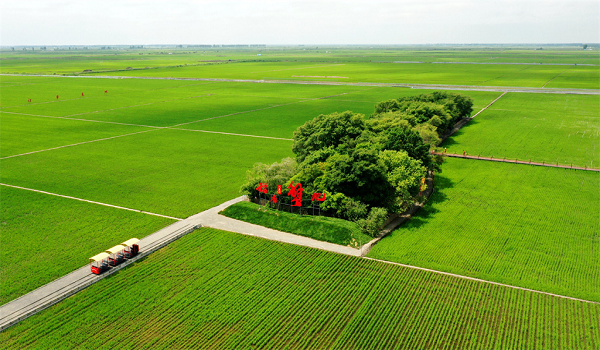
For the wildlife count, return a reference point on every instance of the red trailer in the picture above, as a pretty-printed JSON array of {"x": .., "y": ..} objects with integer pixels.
[
  {"x": 131, "y": 247},
  {"x": 99, "y": 263}
]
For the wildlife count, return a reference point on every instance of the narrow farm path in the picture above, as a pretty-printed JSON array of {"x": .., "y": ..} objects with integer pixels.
[
  {"x": 77, "y": 144},
  {"x": 311, "y": 82},
  {"x": 93, "y": 202},
  {"x": 516, "y": 161},
  {"x": 464, "y": 121},
  {"x": 211, "y": 218}
]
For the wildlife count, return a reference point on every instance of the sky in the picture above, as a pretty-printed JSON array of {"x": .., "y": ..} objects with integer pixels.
[{"x": 283, "y": 22}]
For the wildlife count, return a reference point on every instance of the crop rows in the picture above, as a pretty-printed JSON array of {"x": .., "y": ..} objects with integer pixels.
[
  {"x": 218, "y": 289},
  {"x": 534, "y": 227}
]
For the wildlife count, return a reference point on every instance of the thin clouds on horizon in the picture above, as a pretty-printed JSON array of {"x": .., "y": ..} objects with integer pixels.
[{"x": 123, "y": 22}]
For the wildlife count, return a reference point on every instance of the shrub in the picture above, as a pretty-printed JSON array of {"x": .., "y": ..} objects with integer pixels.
[{"x": 374, "y": 222}]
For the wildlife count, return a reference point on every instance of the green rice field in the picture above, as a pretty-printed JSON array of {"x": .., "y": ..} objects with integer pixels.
[
  {"x": 495, "y": 67},
  {"x": 124, "y": 148},
  {"x": 223, "y": 290},
  {"x": 177, "y": 147},
  {"x": 534, "y": 227},
  {"x": 407, "y": 73},
  {"x": 557, "y": 129}
]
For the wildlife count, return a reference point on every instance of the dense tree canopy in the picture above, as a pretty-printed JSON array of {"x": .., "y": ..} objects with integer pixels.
[{"x": 367, "y": 166}]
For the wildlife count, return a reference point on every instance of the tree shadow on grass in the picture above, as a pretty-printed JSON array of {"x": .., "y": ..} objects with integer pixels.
[
  {"x": 450, "y": 141},
  {"x": 430, "y": 208}
]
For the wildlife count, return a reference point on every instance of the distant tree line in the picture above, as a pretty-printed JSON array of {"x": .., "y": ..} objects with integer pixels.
[{"x": 367, "y": 166}]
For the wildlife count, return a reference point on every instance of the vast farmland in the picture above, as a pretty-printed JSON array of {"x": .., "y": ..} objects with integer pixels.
[
  {"x": 143, "y": 160},
  {"x": 331, "y": 64},
  {"x": 583, "y": 77},
  {"x": 240, "y": 292},
  {"x": 178, "y": 147},
  {"x": 534, "y": 227}
]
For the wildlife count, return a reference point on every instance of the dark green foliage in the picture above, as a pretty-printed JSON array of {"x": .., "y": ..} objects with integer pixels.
[
  {"x": 374, "y": 222},
  {"x": 440, "y": 109},
  {"x": 325, "y": 131},
  {"x": 408, "y": 140},
  {"x": 360, "y": 175},
  {"x": 374, "y": 162},
  {"x": 345, "y": 207}
]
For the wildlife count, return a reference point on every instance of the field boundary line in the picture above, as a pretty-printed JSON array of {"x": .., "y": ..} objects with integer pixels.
[
  {"x": 516, "y": 161},
  {"x": 77, "y": 144},
  {"x": 554, "y": 77},
  {"x": 93, "y": 202},
  {"x": 309, "y": 67},
  {"x": 83, "y": 120},
  {"x": 127, "y": 124},
  {"x": 464, "y": 121},
  {"x": 495, "y": 63},
  {"x": 488, "y": 106},
  {"x": 261, "y": 109},
  {"x": 230, "y": 133},
  {"x": 374, "y": 84},
  {"x": 482, "y": 281}
]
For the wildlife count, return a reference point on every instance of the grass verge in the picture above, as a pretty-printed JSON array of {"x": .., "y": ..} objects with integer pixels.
[{"x": 322, "y": 228}]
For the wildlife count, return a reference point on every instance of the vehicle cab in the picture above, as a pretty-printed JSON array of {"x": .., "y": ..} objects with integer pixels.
[{"x": 99, "y": 263}]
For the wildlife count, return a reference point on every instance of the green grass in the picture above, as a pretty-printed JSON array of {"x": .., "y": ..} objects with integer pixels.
[
  {"x": 281, "y": 121},
  {"x": 409, "y": 73},
  {"x": 46, "y": 237},
  {"x": 349, "y": 65},
  {"x": 170, "y": 172},
  {"x": 538, "y": 127},
  {"x": 218, "y": 289},
  {"x": 534, "y": 227},
  {"x": 322, "y": 228},
  {"x": 22, "y": 134}
]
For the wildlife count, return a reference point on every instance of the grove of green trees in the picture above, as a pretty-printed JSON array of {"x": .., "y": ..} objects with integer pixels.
[{"x": 367, "y": 166}]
